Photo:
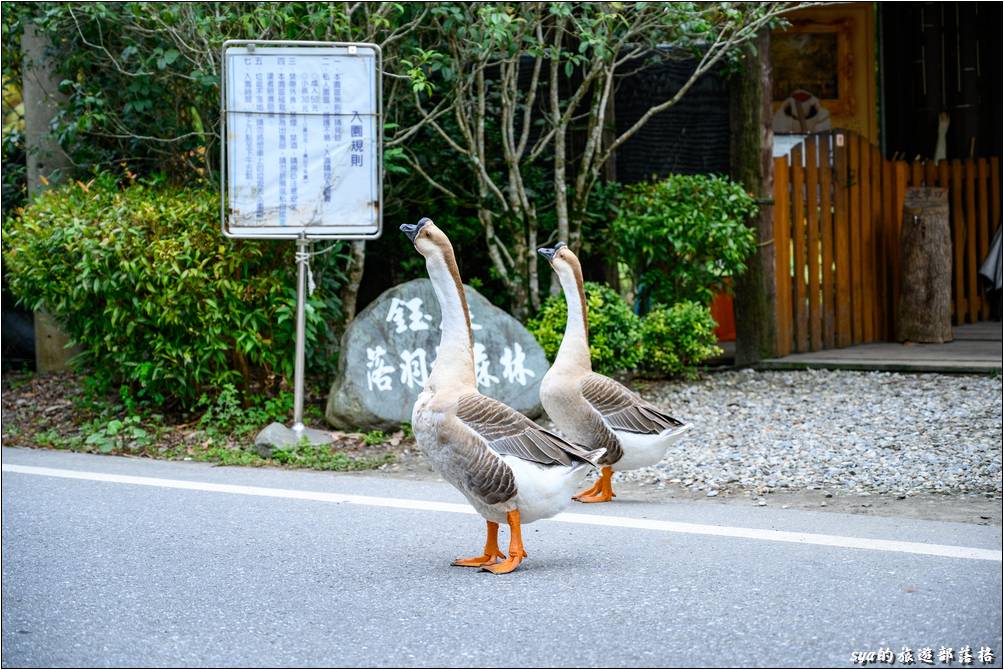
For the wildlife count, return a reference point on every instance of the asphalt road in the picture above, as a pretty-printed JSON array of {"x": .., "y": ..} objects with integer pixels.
[{"x": 226, "y": 566}]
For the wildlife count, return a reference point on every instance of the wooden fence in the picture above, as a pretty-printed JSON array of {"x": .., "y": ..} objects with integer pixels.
[{"x": 837, "y": 214}]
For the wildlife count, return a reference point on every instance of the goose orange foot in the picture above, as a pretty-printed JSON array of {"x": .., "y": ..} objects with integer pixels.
[
  {"x": 601, "y": 491},
  {"x": 591, "y": 491},
  {"x": 516, "y": 551},
  {"x": 492, "y": 550}
]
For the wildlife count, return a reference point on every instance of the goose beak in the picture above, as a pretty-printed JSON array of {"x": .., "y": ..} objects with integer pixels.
[
  {"x": 412, "y": 230},
  {"x": 549, "y": 253}
]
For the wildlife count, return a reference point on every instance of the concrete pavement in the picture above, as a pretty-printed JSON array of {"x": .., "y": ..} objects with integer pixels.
[{"x": 218, "y": 568}]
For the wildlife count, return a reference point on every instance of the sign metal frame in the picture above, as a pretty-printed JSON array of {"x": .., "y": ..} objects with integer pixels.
[
  {"x": 301, "y": 233},
  {"x": 319, "y": 232}
]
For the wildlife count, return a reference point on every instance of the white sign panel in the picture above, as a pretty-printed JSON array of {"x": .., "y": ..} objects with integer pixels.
[{"x": 303, "y": 140}]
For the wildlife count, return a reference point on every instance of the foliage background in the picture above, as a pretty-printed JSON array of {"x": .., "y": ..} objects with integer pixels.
[
  {"x": 614, "y": 330},
  {"x": 162, "y": 304},
  {"x": 140, "y": 126}
]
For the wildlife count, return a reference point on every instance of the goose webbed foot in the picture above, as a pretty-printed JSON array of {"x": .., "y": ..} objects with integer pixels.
[
  {"x": 491, "y": 552},
  {"x": 516, "y": 551},
  {"x": 591, "y": 491},
  {"x": 601, "y": 491}
]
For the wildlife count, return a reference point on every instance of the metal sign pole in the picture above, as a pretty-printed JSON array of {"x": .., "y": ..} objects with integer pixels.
[
  {"x": 276, "y": 434},
  {"x": 301, "y": 158},
  {"x": 302, "y": 258}
]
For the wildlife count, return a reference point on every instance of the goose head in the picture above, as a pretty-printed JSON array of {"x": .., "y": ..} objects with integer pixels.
[
  {"x": 428, "y": 239},
  {"x": 563, "y": 261}
]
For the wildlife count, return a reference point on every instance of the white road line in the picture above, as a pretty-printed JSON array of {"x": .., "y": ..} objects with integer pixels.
[{"x": 943, "y": 550}]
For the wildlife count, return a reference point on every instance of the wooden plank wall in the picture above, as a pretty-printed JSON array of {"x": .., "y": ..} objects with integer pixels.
[{"x": 837, "y": 217}]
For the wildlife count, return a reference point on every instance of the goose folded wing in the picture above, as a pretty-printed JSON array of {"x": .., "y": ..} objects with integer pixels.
[
  {"x": 623, "y": 409},
  {"x": 508, "y": 432}
]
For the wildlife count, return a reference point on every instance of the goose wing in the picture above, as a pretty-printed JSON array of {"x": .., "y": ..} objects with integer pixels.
[
  {"x": 623, "y": 409},
  {"x": 506, "y": 431}
]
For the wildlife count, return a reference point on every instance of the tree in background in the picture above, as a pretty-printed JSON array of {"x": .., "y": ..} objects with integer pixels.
[
  {"x": 510, "y": 88},
  {"x": 142, "y": 79},
  {"x": 521, "y": 93}
]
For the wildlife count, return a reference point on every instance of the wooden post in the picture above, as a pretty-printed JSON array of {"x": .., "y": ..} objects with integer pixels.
[{"x": 924, "y": 313}]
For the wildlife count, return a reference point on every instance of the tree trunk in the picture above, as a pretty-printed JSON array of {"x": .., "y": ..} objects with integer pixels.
[
  {"x": 560, "y": 194},
  {"x": 924, "y": 312},
  {"x": 47, "y": 166},
  {"x": 520, "y": 305},
  {"x": 354, "y": 278},
  {"x": 611, "y": 273},
  {"x": 753, "y": 167}
]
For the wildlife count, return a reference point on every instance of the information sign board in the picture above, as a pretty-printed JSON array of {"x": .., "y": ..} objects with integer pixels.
[{"x": 302, "y": 140}]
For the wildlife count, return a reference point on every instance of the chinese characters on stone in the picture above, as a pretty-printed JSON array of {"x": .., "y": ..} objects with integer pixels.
[
  {"x": 414, "y": 372},
  {"x": 415, "y": 315},
  {"x": 414, "y": 364},
  {"x": 377, "y": 369}
]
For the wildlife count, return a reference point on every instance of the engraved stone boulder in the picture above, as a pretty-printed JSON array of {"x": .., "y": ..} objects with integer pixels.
[{"x": 388, "y": 350}]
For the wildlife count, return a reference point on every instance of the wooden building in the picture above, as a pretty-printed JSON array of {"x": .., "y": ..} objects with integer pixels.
[{"x": 893, "y": 96}]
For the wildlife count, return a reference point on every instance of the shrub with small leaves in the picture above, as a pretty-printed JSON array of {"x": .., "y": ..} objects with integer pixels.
[
  {"x": 676, "y": 339},
  {"x": 682, "y": 236},
  {"x": 614, "y": 330},
  {"x": 159, "y": 300}
]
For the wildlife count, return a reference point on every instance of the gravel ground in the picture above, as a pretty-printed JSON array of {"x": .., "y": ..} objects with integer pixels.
[{"x": 845, "y": 432}]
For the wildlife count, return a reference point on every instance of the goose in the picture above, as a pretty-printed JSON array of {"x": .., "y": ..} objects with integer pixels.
[
  {"x": 510, "y": 469},
  {"x": 593, "y": 410}
]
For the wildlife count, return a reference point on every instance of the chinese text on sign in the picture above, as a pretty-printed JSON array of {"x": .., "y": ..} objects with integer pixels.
[{"x": 302, "y": 141}]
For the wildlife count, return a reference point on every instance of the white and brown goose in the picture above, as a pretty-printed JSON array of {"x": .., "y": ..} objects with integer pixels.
[
  {"x": 596, "y": 411},
  {"x": 510, "y": 469}
]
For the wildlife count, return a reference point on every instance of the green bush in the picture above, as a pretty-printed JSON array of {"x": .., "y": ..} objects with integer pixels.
[
  {"x": 676, "y": 339},
  {"x": 614, "y": 330},
  {"x": 160, "y": 301},
  {"x": 682, "y": 236}
]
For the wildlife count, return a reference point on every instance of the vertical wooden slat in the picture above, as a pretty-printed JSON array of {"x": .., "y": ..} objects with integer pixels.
[
  {"x": 902, "y": 170},
  {"x": 826, "y": 239},
  {"x": 782, "y": 256},
  {"x": 842, "y": 242},
  {"x": 867, "y": 280},
  {"x": 798, "y": 243},
  {"x": 916, "y": 173},
  {"x": 959, "y": 244},
  {"x": 972, "y": 288},
  {"x": 945, "y": 181},
  {"x": 812, "y": 205},
  {"x": 983, "y": 224},
  {"x": 888, "y": 240},
  {"x": 930, "y": 173},
  {"x": 854, "y": 224},
  {"x": 876, "y": 242},
  {"x": 995, "y": 195}
]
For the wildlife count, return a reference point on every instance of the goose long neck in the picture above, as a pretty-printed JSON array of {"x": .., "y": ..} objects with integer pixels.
[
  {"x": 454, "y": 366},
  {"x": 574, "y": 349}
]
